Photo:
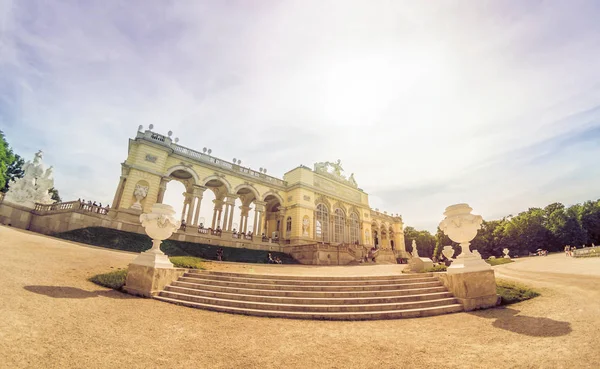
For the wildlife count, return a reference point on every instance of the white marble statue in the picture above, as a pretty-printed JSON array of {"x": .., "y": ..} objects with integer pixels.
[
  {"x": 305, "y": 224},
  {"x": 415, "y": 252},
  {"x": 33, "y": 187}
]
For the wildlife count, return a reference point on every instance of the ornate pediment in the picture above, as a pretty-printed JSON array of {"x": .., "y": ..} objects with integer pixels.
[{"x": 334, "y": 171}]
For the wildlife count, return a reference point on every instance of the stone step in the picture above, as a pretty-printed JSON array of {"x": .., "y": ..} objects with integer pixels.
[
  {"x": 316, "y": 278},
  {"x": 310, "y": 294},
  {"x": 314, "y": 282},
  {"x": 327, "y": 287},
  {"x": 323, "y": 299},
  {"x": 359, "y": 315},
  {"x": 309, "y": 307}
]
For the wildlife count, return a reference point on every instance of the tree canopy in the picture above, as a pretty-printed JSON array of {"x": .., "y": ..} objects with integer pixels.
[
  {"x": 551, "y": 228},
  {"x": 7, "y": 158}
]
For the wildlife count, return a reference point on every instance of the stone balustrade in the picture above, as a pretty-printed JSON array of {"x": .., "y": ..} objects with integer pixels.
[
  {"x": 69, "y": 206},
  {"x": 195, "y": 155}
]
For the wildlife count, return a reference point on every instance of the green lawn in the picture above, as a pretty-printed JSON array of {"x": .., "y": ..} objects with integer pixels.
[
  {"x": 512, "y": 292},
  {"x": 498, "y": 261},
  {"x": 126, "y": 241},
  {"x": 114, "y": 280}
]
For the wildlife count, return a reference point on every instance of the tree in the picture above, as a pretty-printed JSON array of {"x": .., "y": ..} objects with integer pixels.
[
  {"x": 14, "y": 171},
  {"x": 6, "y": 159},
  {"x": 54, "y": 193}
]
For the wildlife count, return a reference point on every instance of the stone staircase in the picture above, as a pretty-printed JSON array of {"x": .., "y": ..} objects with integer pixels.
[{"x": 309, "y": 297}]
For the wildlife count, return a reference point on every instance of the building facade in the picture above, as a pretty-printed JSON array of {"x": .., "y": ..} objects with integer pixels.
[{"x": 318, "y": 206}]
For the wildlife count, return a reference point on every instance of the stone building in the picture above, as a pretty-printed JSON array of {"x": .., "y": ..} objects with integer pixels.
[{"x": 318, "y": 215}]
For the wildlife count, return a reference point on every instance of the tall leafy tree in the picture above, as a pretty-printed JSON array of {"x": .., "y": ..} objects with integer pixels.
[
  {"x": 6, "y": 159},
  {"x": 14, "y": 171}
]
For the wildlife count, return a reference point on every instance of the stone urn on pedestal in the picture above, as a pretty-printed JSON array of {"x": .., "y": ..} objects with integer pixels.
[
  {"x": 461, "y": 226},
  {"x": 505, "y": 251},
  {"x": 152, "y": 270},
  {"x": 470, "y": 279}
]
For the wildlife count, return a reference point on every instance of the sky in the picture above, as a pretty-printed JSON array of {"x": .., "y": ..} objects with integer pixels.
[{"x": 492, "y": 103}]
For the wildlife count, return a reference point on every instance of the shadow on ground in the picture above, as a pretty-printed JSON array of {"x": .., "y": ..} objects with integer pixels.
[
  {"x": 508, "y": 319},
  {"x": 62, "y": 292}
]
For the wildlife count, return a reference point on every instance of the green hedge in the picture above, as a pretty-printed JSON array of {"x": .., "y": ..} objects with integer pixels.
[
  {"x": 127, "y": 241},
  {"x": 512, "y": 292}
]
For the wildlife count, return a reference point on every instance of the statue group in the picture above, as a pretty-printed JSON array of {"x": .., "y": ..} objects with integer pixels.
[
  {"x": 34, "y": 185},
  {"x": 335, "y": 170}
]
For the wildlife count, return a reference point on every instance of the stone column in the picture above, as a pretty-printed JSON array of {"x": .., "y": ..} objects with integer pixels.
[
  {"x": 282, "y": 223},
  {"x": 231, "y": 203},
  {"x": 214, "y": 218},
  {"x": 186, "y": 205},
  {"x": 198, "y": 192},
  {"x": 162, "y": 188},
  {"x": 217, "y": 213},
  {"x": 190, "y": 209},
  {"x": 226, "y": 218},
  {"x": 259, "y": 207},
  {"x": 244, "y": 218}
]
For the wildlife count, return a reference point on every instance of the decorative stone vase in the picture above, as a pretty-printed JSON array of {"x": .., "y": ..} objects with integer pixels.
[
  {"x": 139, "y": 193},
  {"x": 461, "y": 226},
  {"x": 448, "y": 252},
  {"x": 505, "y": 252},
  {"x": 160, "y": 224}
]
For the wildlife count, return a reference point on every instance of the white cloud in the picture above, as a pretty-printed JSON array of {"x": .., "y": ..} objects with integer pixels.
[{"x": 408, "y": 95}]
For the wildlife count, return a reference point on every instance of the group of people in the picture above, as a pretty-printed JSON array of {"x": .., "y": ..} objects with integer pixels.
[
  {"x": 569, "y": 250},
  {"x": 235, "y": 232},
  {"x": 201, "y": 226},
  {"x": 93, "y": 206},
  {"x": 273, "y": 260}
]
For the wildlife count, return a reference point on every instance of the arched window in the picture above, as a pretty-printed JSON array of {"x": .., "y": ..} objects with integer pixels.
[
  {"x": 322, "y": 223},
  {"x": 288, "y": 226},
  {"x": 354, "y": 229},
  {"x": 339, "y": 221}
]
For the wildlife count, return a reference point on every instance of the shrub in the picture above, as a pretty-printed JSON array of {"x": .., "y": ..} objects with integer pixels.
[
  {"x": 114, "y": 280},
  {"x": 512, "y": 292},
  {"x": 187, "y": 262}
]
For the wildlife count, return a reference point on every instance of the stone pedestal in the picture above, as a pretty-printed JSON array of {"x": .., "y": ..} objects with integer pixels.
[
  {"x": 418, "y": 264},
  {"x": 148, "y": 281},
  {"x": 385, "y": 256},
  {"x": 468, "y": 265},
  {"x": 474, "y": 290}
]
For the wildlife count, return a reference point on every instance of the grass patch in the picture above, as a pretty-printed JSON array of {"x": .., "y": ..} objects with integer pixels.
[
  {"x": 512, "y": 292},
  {"x": 498, "y": 261},
  {"x": 134, "y": 242},
  {"x": 436, "y": 268},
  {"x": 189, "y": 262},
  {"x": 114, "y": 280}
]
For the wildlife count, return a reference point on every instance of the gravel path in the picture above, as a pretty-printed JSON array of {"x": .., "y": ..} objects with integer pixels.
[{"x": 52, "y": 317}]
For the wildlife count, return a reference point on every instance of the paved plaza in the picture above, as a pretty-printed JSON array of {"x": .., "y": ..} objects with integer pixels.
[{"x": 51, "y": 316}]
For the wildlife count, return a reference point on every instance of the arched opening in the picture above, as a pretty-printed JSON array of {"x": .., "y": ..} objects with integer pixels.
[
  {"x": 376, "y": 239},
  {"x": 288, "y": 227},
  {"x": 391, "y": 237},
  {"x": 354, "y": 229},
  {"x": 212, "y": 208},
  {"x": 174, "y": 196},
  {"x": 207, "y": 207},
  {"x": 273, "y": 222},
  {"x": 339, "y": 222},
  {"x": 322, "y": 223},
  {"x": 244, "y": 209},
  {"x": 384, "y": 238}
]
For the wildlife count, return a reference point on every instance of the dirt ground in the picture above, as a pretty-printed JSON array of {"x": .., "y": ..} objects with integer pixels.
[{"x": 52, "y": 317}]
